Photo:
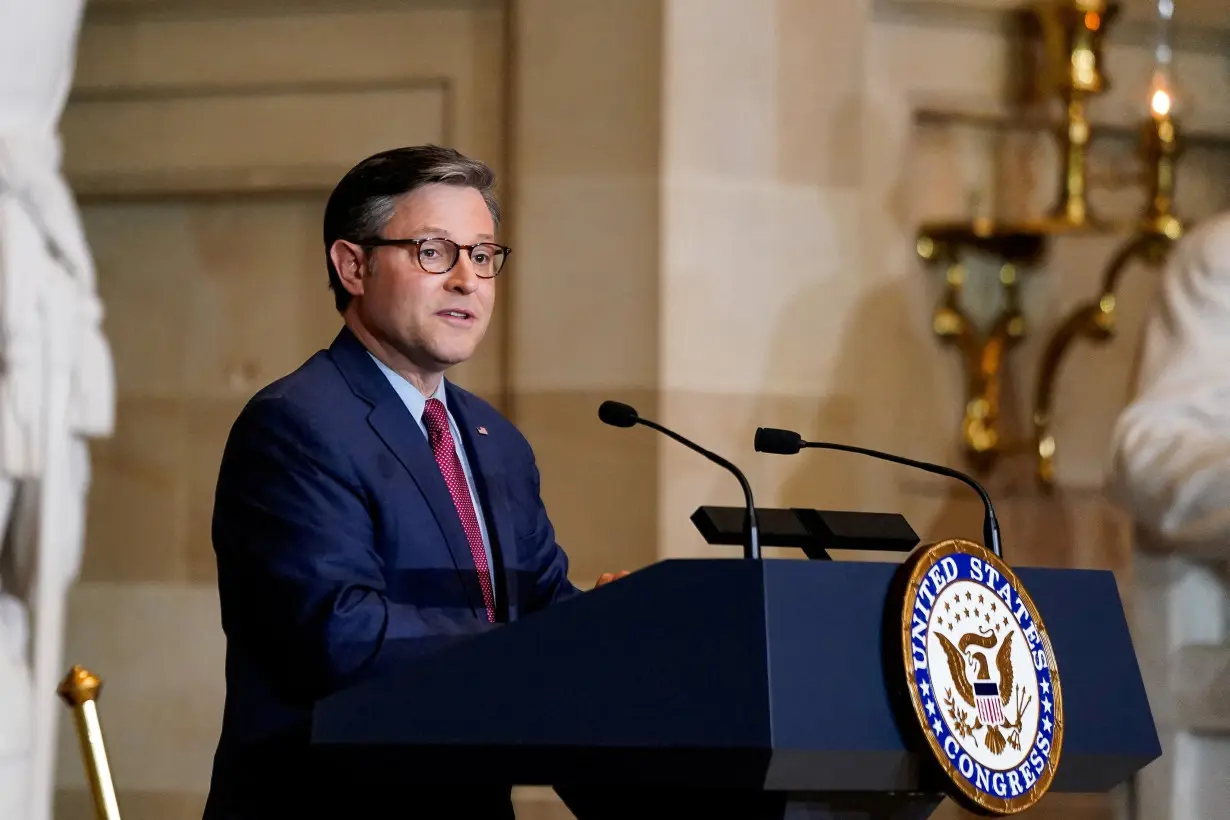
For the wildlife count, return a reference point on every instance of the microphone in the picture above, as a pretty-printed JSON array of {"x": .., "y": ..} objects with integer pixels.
[
  {"x": 788, "y": 442},
  {"x": 617, "y": 414}
]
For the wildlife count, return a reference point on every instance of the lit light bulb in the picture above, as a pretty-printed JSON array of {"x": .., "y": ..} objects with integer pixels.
[
  {"x": 1161, "y": 89},
  {"x": 1160, "y": 102}
]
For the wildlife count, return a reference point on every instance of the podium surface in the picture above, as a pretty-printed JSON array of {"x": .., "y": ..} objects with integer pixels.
[{"x": 771, "y": 676}]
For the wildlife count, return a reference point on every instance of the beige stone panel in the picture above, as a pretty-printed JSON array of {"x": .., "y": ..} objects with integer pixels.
[
  {"x": 599, "y": 483},
  {"x": 820, "y": 53},
  {"x": 583, "y": 284},
  {"x": 76, "y": 804},
  {"x": 1201, "y": 679},
  {"x": 159, "y": 649},
  {"x": 1202, "y": 189},
  {"x": 143, "y": 279},
  {"x": 479, "y": 85},
  {"x": 719, "y": 92},
  {"x": 911, "y": 174},
  {"x": 758, "y": 281},
  {"x": 587, "y": 89},
  {"x": 867, "y": 345},
  {"x": 352, "y": 46},
  {"x": 142, "y": 60},
  {"x": 136, "y": 524},
  {"x": 243, "y": 139},
  {"x": 211, "y": 298},
  {"x": 348, "y": 49},
  {"x": 922, "y": 61},
  {"x": 260, "y": 299},
  {"x": 1082, "y": 532},
  {"x": 1075, "y": 529},
  {"x": 952, "y": 512},
  {"x": 912, "y": 388},
  {"x": 941, "y": 172},
  {"x": 725, "y": 423}
]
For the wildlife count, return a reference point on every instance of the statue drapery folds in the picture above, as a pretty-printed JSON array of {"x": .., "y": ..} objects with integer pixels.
[{"x": 56, "y": 391}]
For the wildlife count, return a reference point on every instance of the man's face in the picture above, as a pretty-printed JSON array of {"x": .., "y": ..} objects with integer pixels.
[{"x": 435, "y": 320}]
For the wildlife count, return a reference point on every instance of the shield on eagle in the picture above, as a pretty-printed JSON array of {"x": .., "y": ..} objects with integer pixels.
[{"x": 987, "y": 695}]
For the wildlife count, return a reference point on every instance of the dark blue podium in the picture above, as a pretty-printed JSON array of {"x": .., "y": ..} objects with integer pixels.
[{"x": 746, "y": 688}]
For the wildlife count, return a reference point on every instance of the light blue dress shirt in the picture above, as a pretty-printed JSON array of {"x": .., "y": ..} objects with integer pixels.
[{"x": 416, "y": 403}]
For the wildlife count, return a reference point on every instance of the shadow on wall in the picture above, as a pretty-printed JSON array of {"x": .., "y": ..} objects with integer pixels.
[
  {"x": 883, "y": 395},
  {"x": 893, "y": 386}
]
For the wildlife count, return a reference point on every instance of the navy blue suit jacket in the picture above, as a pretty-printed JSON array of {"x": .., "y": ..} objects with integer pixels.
[{"x": 340, "y": 553}]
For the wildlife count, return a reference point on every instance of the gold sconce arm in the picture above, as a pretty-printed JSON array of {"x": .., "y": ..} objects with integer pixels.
[
  {"x": 953, "y": 326},
  {"x": 1065, "y": 39},
  {"x": 980, "y": 425},
  {"x": 982, "y": 356},
  {"x": 1094, "y": 321},
  {"x": 79, "y": 690}
]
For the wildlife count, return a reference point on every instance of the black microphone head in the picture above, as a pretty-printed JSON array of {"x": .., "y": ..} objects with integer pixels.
[
  {"x": 617, "y": 414},
  {"x": 781, "y": 442}
]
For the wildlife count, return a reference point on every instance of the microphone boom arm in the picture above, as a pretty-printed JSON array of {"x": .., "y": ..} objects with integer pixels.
[
  {"x": 751, "y": 548},
  {"x": 990, "y": 526}
]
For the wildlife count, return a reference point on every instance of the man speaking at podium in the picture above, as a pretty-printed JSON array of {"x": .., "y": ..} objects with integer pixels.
[{"x": 368, "y": 511}]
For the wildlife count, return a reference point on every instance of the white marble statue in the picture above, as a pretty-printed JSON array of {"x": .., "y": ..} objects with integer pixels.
[
  {"x": 1171, "y": 472},
  {"x": 56, "y": 389}
]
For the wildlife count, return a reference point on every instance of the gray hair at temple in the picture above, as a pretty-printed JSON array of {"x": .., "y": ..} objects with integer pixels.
[{"x": 364, "y": 200}]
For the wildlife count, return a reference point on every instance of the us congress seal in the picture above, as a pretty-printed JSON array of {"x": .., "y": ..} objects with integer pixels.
[{"x": 982, "y": 677}]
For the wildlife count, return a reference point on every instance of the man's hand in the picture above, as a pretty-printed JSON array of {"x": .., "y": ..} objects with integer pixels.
[{"x": 608, "y": 577}]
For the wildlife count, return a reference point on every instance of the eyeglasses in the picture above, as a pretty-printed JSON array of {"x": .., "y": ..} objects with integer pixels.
[{"x": 440, "y": 255}]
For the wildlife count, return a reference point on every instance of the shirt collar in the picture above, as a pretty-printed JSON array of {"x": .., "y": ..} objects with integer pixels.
[{"x": 415, "y": 401}]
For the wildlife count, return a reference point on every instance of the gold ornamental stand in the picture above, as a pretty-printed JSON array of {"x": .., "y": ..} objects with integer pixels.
[
  {"x": 80, "y": 690},
  {"x": 1067, "y": 41}
]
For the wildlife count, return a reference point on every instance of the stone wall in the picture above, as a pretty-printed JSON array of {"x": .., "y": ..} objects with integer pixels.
[{"x": 713, "y": 205}]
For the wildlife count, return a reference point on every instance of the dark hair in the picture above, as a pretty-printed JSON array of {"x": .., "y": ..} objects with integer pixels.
[{"x": 366, "y": 196}]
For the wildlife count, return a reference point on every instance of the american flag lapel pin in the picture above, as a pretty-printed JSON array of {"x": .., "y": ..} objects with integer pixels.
[{"x": 482, "y": 431}]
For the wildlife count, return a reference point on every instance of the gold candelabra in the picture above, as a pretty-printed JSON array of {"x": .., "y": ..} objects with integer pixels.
[
  {"x": 79, "y": 690},
  {"x": 1150, "y": 241},
  {"x": 1071, "y": 34},
  {"x": 1160, "y": 146}
]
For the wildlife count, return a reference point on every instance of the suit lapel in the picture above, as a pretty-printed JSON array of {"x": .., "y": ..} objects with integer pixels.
[
  {"x": 392, "y": 423},
  {"x": 483, "y": 450}
]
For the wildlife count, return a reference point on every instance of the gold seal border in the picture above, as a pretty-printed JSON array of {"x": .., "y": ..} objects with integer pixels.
[{"x": 924, "y": 558}]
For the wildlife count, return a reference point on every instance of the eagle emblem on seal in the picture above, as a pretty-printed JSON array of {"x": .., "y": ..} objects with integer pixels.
[
  {"x": 989, "y": 695},
  {"x": 983, "y": 681}
]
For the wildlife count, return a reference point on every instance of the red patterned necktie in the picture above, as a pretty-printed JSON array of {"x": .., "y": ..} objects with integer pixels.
[{"x": 435, "y": 417}]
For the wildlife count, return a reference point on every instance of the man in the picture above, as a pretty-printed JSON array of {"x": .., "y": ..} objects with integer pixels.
[
  {"x": 367, "y": 510},
  {"x": 1171, "y": 473}
]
